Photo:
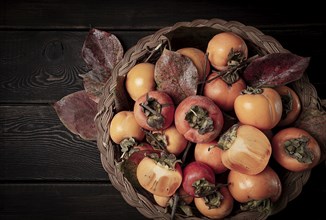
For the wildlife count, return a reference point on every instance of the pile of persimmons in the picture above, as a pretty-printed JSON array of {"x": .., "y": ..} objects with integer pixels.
[{"x": 201, "y": 138}]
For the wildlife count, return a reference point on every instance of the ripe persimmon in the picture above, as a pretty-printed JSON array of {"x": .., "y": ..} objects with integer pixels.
[
  {"x": 225, "y": 48},
  {"x": 140, "y": 80}
]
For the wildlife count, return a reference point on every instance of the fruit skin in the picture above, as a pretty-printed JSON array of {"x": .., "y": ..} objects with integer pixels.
[
  {"x": 158, "y": 179},
  {"x": 167, "y": 110},
  {"x": 291, "y": 114},
  {"x": 140, "y": 80},
  {"x": 289, "y": 162},
  {"x": 176, "y": 142},
  {"x": 124, "y": 125},
  {"x": 210, "y": 154},
  {"x": 262, "y": 110},
  {"x": 194, "y": 171},
  {"x": 249, "y": 152},
  {"x": 219, "y": 47},
  {"x": 129, "y": 166},
  {"x": 265, "y": 185},
  {"x": 162, "y": 201},
  {"x": 190, "y": 133},
  {"x": 221, "y": 92},
  {"x": 199, "y": 59},
  {"x": 216, "y": 213}
]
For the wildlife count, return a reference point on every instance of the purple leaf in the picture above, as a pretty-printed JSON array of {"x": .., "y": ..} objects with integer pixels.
[
  {"x": 275, "y": 69},
  {"x": 101, "y": 51},
  {"x": 77, "y": 112},
  {"x": 94, "y": 83},
  {"x": 176, "y": 75}
]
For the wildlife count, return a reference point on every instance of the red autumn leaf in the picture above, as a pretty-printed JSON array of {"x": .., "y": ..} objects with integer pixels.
[
  {"x": 275, "y": 69},
  {"x": 313, "y": 120},
  {"x": 77, "y": 112},
  {"x": 101, "y": 51},
  {"x": 176, "y": 75},
  {"x": 94, "y": 83}
]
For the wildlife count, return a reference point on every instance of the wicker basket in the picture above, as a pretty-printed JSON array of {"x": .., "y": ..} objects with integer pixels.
[{"x": 148, "y": 48}]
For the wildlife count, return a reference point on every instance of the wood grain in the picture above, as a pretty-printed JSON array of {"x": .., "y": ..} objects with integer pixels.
[
  {"x": 44, "y": 66},
  {"x": 35, "y": 145},
  {"x": 102, "y": 201},
  {"x": 148, "y": 14},
  {"x": 63, "y": 201},
  {"x": 49, "y": 173}
]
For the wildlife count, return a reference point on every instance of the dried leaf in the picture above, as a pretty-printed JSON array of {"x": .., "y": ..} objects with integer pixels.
[
  {"x": 313, "y": 120},
  {"x": 94, "y": 83},
  {"x": 77, "y": 112},
  {"x": 101, "y": 51},
  {"x": 176, "y": 75},
  {"x": 275, "y": 69}
]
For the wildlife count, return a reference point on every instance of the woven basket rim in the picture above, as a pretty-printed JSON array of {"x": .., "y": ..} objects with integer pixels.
[{"x": 107, "y": 107}]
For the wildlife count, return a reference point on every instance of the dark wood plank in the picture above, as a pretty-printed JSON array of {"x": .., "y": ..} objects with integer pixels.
[
  {"x": 35, "y": 145},
  {"x": 103, "y": 201},
  {"x": 63, "y": 201},
  {"x": 150, "y": 14},
  {"x": 44, "y": 66}
]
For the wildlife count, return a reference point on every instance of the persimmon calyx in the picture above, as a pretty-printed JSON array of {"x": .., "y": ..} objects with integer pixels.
[
  {"x": 165, "y": 159},
  {"x": 198, "y": 118},
  {"x": 152, "y": 109},
  {"x": 252, "y": 90},
  {"x": 264, "y": 206},
  {"x": 157, "y": 140},
  {"x": 297, "y": 148},
  {"x": 227, "y": 139},
  {"x": 126, "y": 145},
  {"x": 214, "y": 200},
  {"x": 203, "y": 188},
  {"x": 287, "y": 103}
]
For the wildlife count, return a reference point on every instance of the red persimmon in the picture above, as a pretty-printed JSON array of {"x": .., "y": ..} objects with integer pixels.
[
  {"x": 154, "y": 110},
  {"x": 199, "y": 119},
  {"x": 198, "y": 177}
]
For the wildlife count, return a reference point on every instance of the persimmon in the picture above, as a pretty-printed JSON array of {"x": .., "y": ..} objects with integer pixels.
[
  {"x": 130, "y": 164},
  {"x": 259, "y": 107},
  {"x": 184, "y": 196},
  {"x": 217, "y": 205},
  {"x": 140, "y": 80},
  {"x": 226, "y": 48},
  {"x": 170, "y": 139},
  {"x": 160, "y": 174},
  {"x": 163, "y": 201},
  {"x": 124, "y": 125},
  {"x": 255, "y": 191},
  {"x": 210, "y": 154},
  {"x": 198, "y": 178},
  {"x": 291, "y": 105},
  {"x": 154, "y": 110},
  {"x": 222, "y": 92},
  {"x": 246, "y": 149},
  {"x": 295, "y": 149},
  {"x": 199, "y": 119}
]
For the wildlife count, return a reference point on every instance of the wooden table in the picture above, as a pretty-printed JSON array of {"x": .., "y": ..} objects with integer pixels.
[{"x": 46, "y": 172}]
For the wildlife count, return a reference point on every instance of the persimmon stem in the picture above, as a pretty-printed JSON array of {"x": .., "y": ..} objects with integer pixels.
[
  {"x": 150, "y": 109},
  {"x": 231, "y": 69},
  {"x": 155, "y": 139},
  {"x": 174, "y": 206},
  {"x": 193, "y": 112}
]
